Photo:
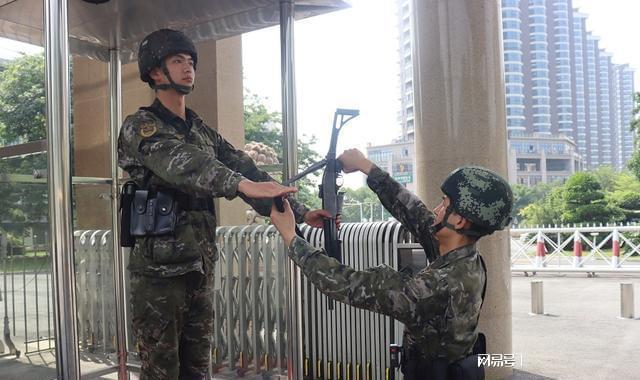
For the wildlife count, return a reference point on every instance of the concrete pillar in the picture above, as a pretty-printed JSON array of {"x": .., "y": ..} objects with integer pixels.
[
  {"x": 460, "y": 119},
  {"x": 218, "y": 99}
]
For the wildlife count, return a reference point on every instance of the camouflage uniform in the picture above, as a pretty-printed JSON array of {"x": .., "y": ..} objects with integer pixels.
[
  {"x": 172, "y": 275},
  {"x": 439, "y": 306}
]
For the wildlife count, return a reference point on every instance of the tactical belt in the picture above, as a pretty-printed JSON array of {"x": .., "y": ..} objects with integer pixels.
[{"x": 187, "y": 202}]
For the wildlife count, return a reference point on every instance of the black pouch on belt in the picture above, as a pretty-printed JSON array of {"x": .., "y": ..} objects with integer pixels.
[
  {"x": 153, "y": 213},
  {"x": 126, "y": 200}
]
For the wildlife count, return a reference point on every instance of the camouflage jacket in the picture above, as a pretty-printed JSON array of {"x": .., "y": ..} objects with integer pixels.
[
  {"x": 157, "y": 147},
  {"x": 439, "y": 306}
]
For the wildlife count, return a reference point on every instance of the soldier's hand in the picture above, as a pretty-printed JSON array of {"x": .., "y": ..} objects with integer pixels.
[
  {"x": 264, "y": 189},
  {"x": 315, "y": 218},
  {"x": 353, "y": 159},
  {"x": 284, "y": 222}
]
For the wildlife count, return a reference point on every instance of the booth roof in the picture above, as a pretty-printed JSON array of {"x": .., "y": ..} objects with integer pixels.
[{"x": 94, "y": 29}]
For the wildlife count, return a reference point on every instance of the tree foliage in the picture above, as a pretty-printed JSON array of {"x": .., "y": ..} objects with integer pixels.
[
  {"x": 585, "y": 201},
  {"x": 606, "y": 176},
  {"x": 362, "y": 204},
  {"x": 545, "y": 211},
  {"x": 635, "y": 119},
  {"x": 634, "y": 161},
  {"x": 22, "y": 119},
  {"x": 626, "y": 196},
  {"x": 601, "y": 196},
  {"x": 525, "y": 195},
  {"x": 22, "y": 100},
  {"x": 262, "y": 125}
]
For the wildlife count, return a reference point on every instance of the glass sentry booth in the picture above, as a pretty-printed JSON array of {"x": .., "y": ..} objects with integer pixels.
[{"x": 59, "y": 180}]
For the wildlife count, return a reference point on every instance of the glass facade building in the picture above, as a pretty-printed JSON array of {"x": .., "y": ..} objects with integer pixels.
[{"x": 559, "y": 81}]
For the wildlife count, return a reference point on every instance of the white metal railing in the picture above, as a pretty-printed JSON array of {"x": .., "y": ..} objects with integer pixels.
[{"x": 576, "y": 249}]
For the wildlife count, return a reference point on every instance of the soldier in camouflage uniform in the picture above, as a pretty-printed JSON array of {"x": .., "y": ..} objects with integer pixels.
[
  {"x": 167, "y": 146},
  {"x": 440, "y": 305}
]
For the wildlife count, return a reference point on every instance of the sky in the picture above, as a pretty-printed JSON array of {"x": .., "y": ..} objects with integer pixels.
[
  {"x": 10, "y": 49},
  {"x": 346, "y": 59},
  {"x": 616, "y": 23}
]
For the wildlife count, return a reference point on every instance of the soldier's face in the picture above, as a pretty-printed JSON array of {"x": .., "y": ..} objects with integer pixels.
[
  {"x": 441, "y": 209},
  {"x": 454, "y": 219},
  {"x": 180, "y": 68}
]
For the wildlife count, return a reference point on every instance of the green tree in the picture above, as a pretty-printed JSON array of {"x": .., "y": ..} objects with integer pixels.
[
  {"x": 262, "y": 125},
  {"x": 22, "y": 119},
  {"x": 634, "y": 161},
  {"x": 626, "y": 195},
  {"x": 524, "y": 195},
  {"x": 22, "y": 100},
  {"x": 635, "y": 120},
  {"x": 361, "y": 203},
  {"x": 585, "y": 201},
  {"x": 547, "y": 210},
  {"x": 606, "y": 176}
]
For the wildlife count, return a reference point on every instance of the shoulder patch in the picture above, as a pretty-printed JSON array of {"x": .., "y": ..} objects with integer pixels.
[{"x": 148, "y": 129}]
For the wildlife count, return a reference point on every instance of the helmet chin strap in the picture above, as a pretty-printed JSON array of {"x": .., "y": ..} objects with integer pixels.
[
  {"x": 182, "y": 89},
  {"x": 444, "y": 223}
]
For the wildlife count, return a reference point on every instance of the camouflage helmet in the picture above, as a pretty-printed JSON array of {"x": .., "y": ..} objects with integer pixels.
[
  {"x": 481, "y": 196},
  {"x": 160, "y": 44}
]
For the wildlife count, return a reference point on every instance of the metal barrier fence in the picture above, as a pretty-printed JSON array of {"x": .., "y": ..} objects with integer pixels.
[
  {"x": 340, "y": 342},
  {"x": 249, "y": 291},
  {"x": 94, "y": 291},
  {"x": 26, "y": 298},
  {"x": 343, "y": 342},
  {"x": 587, "y": 249}
]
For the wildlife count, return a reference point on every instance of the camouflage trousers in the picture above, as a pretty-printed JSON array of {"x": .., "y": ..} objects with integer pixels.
[{"x": 173, "y": 323}]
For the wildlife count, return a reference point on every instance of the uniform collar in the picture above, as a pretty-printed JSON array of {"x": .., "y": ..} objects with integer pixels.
[
  {"x": 455, "y": 255},
  {"x": 171, "y": 118}
]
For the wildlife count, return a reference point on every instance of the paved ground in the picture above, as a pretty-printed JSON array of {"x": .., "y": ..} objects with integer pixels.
[{"x": 580, "y": 337}]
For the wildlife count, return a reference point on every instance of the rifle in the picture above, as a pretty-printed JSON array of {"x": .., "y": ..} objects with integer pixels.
[{"x": 329, "y": 188}]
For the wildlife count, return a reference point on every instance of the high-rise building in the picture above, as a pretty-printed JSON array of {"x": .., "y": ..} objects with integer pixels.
[
  {"x": 398, "y": 157},
  {"x": 625, "y": 87},
  {"x": 580, "y": 83},
  {"x": 562, "y": 88},
  {"x": 559, "y": 81},
  {"x": 405, "y": 35},
  {"x": 513, "y": 66}
]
